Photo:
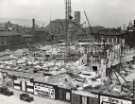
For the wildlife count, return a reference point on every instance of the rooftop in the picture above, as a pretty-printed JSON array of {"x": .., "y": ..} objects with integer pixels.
[{"x": 9, "y": 33}]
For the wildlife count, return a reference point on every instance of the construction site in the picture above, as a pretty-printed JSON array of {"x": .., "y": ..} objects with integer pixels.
[{"x": 90, "y": 68}]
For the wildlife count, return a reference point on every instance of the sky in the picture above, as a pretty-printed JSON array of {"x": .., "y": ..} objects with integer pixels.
[{"x": 108, "y": 13}]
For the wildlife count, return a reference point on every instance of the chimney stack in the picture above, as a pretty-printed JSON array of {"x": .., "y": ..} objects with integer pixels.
[
  {"x": 134, "y": 23},
  {"x": 33, "y": 24}
]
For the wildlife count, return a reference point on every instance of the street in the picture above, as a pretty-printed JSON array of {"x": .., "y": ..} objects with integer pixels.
[{"x": 37, "y": 100}]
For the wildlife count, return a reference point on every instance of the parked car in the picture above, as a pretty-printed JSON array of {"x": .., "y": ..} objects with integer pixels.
[
  {"x": 26, "y": 97},
  {"x": 5, "y": 91}
]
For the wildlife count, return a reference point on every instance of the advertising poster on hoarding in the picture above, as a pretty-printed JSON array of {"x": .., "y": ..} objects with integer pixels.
[
  {"x": 68, "y": 96},
  {"x": 84, "y": 100},
  {"x": 1, "y": 78},
  {"x": 44, "y": 90},
  {"x": 112, "y": 100}
]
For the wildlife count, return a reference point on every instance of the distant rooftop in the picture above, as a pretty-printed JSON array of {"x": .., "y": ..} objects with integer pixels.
[{"x": 8, "y": 33}]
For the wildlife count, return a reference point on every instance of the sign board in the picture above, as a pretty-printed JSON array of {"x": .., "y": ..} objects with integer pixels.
[
  {"x": 68, "y": 96},
  {"x": 44, "y": 90},
  {"x": 112, "y": 100}
]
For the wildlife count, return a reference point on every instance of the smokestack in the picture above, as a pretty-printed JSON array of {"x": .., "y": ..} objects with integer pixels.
[
  {"x": 33, "y": 24},
  {"x": 77, "y": 16},
  {"x": 134, "y": 23}
]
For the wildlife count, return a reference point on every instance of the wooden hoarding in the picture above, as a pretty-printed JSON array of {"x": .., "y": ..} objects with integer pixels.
[
  {"x": 112, "y": 100},
  {"x": 44, "y": 90}
]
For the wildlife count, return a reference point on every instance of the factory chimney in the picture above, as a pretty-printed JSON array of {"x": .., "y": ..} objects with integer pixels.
[
  {"x": 33, "y": 24},
  {"x": 134, "y": 23}
]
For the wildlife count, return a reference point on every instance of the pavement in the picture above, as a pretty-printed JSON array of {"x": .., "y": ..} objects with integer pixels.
[{"x": 37, "y": 100}]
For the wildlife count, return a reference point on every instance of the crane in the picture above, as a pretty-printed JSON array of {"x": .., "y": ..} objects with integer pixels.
[
  {"x": 68, "y": 18},
  {"x": 89, "y": 25}
]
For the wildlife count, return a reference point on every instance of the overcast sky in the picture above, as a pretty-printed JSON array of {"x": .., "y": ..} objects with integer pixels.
[{"x": 100, "y": 12}]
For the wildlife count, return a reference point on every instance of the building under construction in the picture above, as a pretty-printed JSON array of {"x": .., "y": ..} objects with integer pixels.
[{"x": 99, "y": 71}]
